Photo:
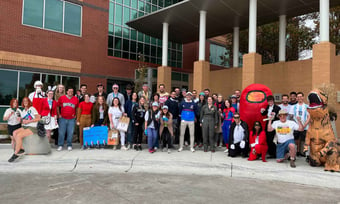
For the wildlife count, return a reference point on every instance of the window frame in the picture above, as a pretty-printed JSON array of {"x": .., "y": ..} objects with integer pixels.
[{"x": 63, "y": 24}]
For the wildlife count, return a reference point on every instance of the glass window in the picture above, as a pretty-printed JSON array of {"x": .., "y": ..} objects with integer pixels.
[
  {"x": 140, "y": 5},
  {"x": 140, "y": 48},
  {"x": 110, "y": 44},
  {"x": 127, "y": 2},
  {"x": 54, "y": 15},
  {"x": 8, "y": 84},
  {"x": 126, "y": 55},
  {"x": 118, "y": 31},
  {"x": 154, "y": 8},
  {"x": 118, "y": 43},
  {"x": 110, "y": 52},
  {"x": 50, "y": 80},
  {"x": 176, "y": 76},
  {"x": 71, "y": 82},
  {"x": 134, "y": 4},
  {"x": 110, "y": 29},
  {"x": 147, "y": 39},
  {"x": 126, "y": 45},
  {"x": 111, "y": 12},
  {"x": 33, "y": 12},
  {"x": 118, "y": 14},
  {"x": 148, "y": 8},
  {"x": 133, "y": 46},
  {"x": 126, "y": 33},
  {"x": 134, "y": 14},
  {"x": 26, "y": 83},
  {"x": 161, "y": 3},
  {"x": 140, "y": 36},
  {"x": 133, "y": 34},
  {"x": 132, "y": 56},
  {"x": 72, "y": 22},
  {"x": 185, "y": 77},
  {"x": 118, "y": 53},
  {"x": 126, "y": 15}
]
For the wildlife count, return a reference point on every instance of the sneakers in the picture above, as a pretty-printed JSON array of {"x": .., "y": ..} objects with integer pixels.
[
  {"x": 135, "y": 147},
  {"x": 192, "y": 149},
  {"x": 186, "y": 143},
  {"x": 114, "y": 147},
  {"x": 292, "y": 163},
  {"x": 82, "y": 148},
  {"x": 69, "y": 148},
  {"x": 60, "y": 148},
  {"x": 13, "y": 158},
  {"x": 151, "y": 151},
  {"x": 169, "y": 151},
  {"x": 180, "y": 149},
  {"x": 226, "y": 151},
  {"x": 21, "y": 151},
  {"x": 140, "y": 147},
  {"x": 123, "y": 148}
]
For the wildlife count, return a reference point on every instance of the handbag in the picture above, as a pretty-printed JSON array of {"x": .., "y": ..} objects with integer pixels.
[
  {"x": 123, "y": 124},
  {"x": 41, "y": 129},
  {"x": 113, "y": 137}
]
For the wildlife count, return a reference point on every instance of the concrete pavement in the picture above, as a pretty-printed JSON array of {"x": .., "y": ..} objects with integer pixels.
[{"x": 176, "y": 163}]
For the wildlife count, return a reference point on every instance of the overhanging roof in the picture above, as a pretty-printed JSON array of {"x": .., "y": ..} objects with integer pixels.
[{"x": 222, "y": 16}]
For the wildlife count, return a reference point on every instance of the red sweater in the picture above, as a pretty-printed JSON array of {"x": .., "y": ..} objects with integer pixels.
[
  {"x": 68, "y": 106},
  {"x": 45, "y": 108},
  {"x": 85, "y": 108}
]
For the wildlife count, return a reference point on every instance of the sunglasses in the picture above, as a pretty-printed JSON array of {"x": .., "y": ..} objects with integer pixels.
[
  {"x": 237, "y": 117},
  {"x": 115, "y": 88}
]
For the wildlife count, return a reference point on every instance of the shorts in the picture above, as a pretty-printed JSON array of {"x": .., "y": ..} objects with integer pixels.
[
  {"x": 11, "y": 128},
  {"x": 300, "y": 135},
  {"x": 282, "y": 148},
  {"x": 33, "y": 129}
]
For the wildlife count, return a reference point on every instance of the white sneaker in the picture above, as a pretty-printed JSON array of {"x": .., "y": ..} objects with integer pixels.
[
  {"x": 60, "y": 148},
  {"x": 180, "y": 149},
  {"x": 169, "y": 151},
  {"x": 192, "y": 149},
  {"x": 114, "y": 147},
  {"x": 186, "y": 143},
  {"x": 123, "y": 148},
  {"x": 226, "y": 151},
  {"x": 69, "y": 148}
]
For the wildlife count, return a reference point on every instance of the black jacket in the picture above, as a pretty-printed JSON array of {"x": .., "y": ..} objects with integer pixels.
[
  {"x": 276, "y": 110},
  {"x": 246, "y": 132},
  {"x": 138, "y": 113},
  {"x": 173, "y": 107}
]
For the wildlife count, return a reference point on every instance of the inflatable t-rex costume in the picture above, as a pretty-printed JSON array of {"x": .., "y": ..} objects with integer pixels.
[{"x": 324, "y": 149}]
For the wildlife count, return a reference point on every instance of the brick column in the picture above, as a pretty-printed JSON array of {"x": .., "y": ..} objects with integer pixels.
[
  {"x": 164, "y": 77},
  {"x": 251, "y": 62},
  {"x": 323, "y": 63},
  {"x": 201, "y": 75}
]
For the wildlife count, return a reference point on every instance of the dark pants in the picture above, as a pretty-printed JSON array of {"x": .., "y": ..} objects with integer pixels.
[
  {"x": 238, "y": 151},
  {"x": 271, "y": 144},
  {"x": 175, "y": 125},
  {"x": 166, "y": 137},
  {"x": 198, "y": 133},
  {"x": 138, "y": 134}
]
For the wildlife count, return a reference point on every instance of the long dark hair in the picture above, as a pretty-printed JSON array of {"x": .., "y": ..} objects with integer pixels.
[
  {"x": 97, "y": 105},
  {"x": 166, "y": 115},
  {"x": 254, "y": 130},
  {"x": 119, "y": 104}
]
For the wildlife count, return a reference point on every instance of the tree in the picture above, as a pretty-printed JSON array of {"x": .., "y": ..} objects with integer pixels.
[{"x": 299, "y": 37}]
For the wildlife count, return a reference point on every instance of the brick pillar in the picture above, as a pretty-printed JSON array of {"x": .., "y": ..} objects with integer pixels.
[
  {"x": 251, "y": 62},
  {"x": 164, "y": 77},
  {"x": 201, "y": 75},
  {"x": 323, "y": 63}
]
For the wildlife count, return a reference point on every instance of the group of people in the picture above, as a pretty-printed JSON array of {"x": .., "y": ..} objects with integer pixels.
[{"x": 179, "y": 117}]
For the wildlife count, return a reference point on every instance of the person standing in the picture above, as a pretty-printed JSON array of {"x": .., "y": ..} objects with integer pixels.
[
  {"x": 146, "y": 94},
  {"x": 128, "y": 93},
  {"x": 285, "y": 139},
  {"x": 238, "y": 137},
  {"x": 137, "y": 116},
  {"x": 128, "y": 110},
  {"x": 12, "y": 116},
  {"x": 37, "y": 96},
  {"x": 165, "y": 130},
  {"x": 99, "y": 114},
  {"x": 300, "y": 110},
  {"x": 116, "y": 111},
  {"x": 285, "y": 103},
  {"x": 84, "y": 118},
  {"x": 115, "y": 94},
  {"x": 68, "y": 105},
  {"x": 151, "y": 126},
  {"x": 173, "y": 107},
  {"x": 198, "y": 128},
  {"x": 271, "y": 108},
  {"x": 227, "y": 115},
  {"x": 257, "y": 142},
  {"x": 293, "y": 100},
  {"x": 60, "y": 91},
  {"x": 100, "y": 91},
  {"x": 209, "y": 121},
  {"x": 235, "y": 103},
  {"x": 218, "y": 131},
  {"x": 188, "y": 112},
  {"x": 163, "y": 95},
  {"x": 49, "y": 109},
  {"x": 83, "y": 91}
]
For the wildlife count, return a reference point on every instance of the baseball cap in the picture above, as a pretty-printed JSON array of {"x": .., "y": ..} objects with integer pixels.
[
  {"x": 155, "y": 104},
  {"x": 189, "y": 93},
  {"x": 165, "y": 107}
]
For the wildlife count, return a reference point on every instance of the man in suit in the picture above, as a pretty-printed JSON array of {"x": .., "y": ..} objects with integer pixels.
[
  {"x": 238, "y": 137},
  {"x": 271, "y": 110}
]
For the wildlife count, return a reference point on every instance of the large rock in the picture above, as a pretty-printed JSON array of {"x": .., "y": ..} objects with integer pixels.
[{"x": 34, "y": 144}]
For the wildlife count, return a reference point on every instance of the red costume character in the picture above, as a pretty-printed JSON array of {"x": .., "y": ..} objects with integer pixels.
[
  {"x": 253, "y": 98},
  {"x": 258, "y": 143}
]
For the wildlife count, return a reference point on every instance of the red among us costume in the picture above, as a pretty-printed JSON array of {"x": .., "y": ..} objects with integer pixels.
[
  {"x": 258, "y": 145},
  {"x": 253, "y": 98}
]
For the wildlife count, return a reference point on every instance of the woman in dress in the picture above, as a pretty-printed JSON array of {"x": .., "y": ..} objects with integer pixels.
[
  {"x": 30, "y": 118},
  {"x": 12, "y": 116},
  {"x": 116, "y": 111},
  {"x": 49, "y": 110}
]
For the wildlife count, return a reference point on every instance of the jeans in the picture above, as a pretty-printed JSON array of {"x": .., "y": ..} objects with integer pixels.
[
  {"x": 152, "y": 137},
  {"x": 66, "y": 126}
]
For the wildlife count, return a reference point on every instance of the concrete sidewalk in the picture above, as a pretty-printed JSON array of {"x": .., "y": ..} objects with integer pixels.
[{"x": 183, "y": 163}]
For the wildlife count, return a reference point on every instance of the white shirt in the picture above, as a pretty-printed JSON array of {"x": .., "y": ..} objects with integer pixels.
[
  {"x": 146, "y": 117},
  {"x": 300, "y": 110},
  {"x": 29, "y": 114},
  {"x": 116, "y": 113},
  {"x": 238, "y": 133},
  {"x": 270, "y": 110},
  {"x": 284, "y": 131},
  {"x": 13, "y": 120}
]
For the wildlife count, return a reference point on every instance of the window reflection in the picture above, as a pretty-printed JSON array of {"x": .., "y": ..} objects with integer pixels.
[
  {"x": 8, "y": 86},
  {"x": 26, "y": 83}
]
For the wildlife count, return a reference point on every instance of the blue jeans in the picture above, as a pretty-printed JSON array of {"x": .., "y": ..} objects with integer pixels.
[
  {"x": 283, "y": 148},
  {"x": 152, "y": 137},
  {"x": 66, "y": 126}
]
